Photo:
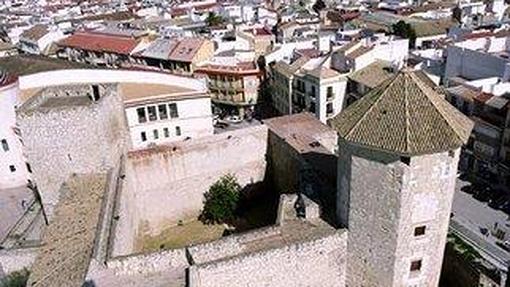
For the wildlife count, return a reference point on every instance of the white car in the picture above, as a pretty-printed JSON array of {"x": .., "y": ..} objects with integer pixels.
[{"x": 234, "y": 119}]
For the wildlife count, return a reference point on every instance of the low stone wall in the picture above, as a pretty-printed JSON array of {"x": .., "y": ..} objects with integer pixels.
[
  {"x": 16, "y": 259},
  {"x": 227, "y": 246},
  {"x": 148, "y": 263},
  {"x": 319, "y": 263}
]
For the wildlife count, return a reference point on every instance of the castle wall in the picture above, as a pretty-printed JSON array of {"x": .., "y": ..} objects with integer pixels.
[
  {"x": 165, "y": 184},
  {"x": 72, "y": 139},
  {"x": 314, "y": 263}
]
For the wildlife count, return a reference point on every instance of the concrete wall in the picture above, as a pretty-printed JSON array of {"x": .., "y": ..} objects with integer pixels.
[
  {"x": 166, "y": 184},
  {"x": 73, "y": 139},
  {"x": 472, "y": 64},
  {"x": 314, "y": 263},
  {"x": 383, "y": 200}
]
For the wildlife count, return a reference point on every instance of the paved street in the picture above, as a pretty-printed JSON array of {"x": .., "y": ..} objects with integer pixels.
[
  {"x": 10, "y": 207},
  {"x": 470, "y": 215}
]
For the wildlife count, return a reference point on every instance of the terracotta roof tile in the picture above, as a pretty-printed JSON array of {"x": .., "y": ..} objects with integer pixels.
[
  {"x": 406, "y": 116},
  {"x": 186, "y": 49},
  {"x": 100, "y": 43}
]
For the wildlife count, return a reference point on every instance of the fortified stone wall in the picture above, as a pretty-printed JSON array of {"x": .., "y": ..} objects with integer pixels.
[
  {"x": 382, "y": 239},
  {"x": 148, "y": 263},
  {"x": 367, "y": 181},
  {"x": 65, "y": 139},
  {"x": 317, "y": 263},
  {"x": 166, "y": 183}
]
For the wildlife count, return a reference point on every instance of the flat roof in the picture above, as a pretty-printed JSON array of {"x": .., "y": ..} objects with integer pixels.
[{"x": 139, "y": 92}]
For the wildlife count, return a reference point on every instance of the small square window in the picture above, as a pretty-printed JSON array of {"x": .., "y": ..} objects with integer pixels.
[
  {"x": 419, "y": 231},
  {"x": 5, "y": 145},
  {"x": 156, "y": 134},
  {"x": 416, "y": 265},
  {"x": 143, "y": 136},
  {"x": 12, "y": 168}
]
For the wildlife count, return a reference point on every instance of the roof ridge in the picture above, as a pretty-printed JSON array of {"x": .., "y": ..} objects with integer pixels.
[
  {"x": 406, "y": 108},
  {"x": 422, "y": 86},
  {"x": 383, "y": 87}
]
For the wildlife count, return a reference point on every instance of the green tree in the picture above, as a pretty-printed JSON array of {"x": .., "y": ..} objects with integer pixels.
[
  {"x": 213, "y": 19},
  {"x": 318, "y": 6},
  {"x": 15, "y": 279},
  {"x": 405, "y": 30},
  {"x": 457, "y": 14},
  {"x": 221, "y": 201}
]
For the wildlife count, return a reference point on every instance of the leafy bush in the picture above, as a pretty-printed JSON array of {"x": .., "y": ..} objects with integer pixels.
[
  {"x": 221, "y": 201},
  {"x": 15, "y": 279}
]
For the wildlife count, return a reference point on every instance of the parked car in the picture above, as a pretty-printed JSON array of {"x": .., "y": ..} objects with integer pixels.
[
  {"x": 234, "y": 119},
  {"x": 483, "y": 194},
  {"x": 469, "y": 189}
]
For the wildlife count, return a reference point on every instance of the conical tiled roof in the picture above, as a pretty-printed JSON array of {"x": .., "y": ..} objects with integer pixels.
[{"x": 406, "y": 115}]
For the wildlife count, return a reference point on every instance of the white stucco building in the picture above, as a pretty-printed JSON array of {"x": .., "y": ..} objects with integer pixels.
[
  {"x": 159, "y": 107},
  {"x": 13, "y": 168}
]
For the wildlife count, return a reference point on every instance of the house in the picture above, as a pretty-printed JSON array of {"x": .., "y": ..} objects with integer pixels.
[
  {"x": 98, "y": 48},
  {"x": 261, "y": 39},
  {"x": 162, "y": 113},
  {"x": 179, "y": 55},
  {"x": 39, "y": 39}
]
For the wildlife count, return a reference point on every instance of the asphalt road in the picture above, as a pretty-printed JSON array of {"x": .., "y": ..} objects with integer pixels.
[{"x": 470, "y": 215}]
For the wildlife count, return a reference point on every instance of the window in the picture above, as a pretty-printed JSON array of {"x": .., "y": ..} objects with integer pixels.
[
  {"x": 405, "y": 159},
  {"x": 156, "y": 134},
  {"x": 5, "y": 145},
  {"x": 163, "y": 114},
  {"x": 166, "y": 132},
  {"x": 174, "y": 113},
  {"x": 329, "y": 108},
  {"x": 415, "y": 265},
  {"x": 29, "y": 168},
  {"x": 95, "y": 93},
  {"x": 143, "y": 136},
  {"x": 419, "y": 231},
  {"x": 152, "y": 113},
  {"x": 142, "y": 118},
  {"x": 12, "y": 168},
  {"x": 177, "y": 131},
  {"x": 330, "y": 92}
]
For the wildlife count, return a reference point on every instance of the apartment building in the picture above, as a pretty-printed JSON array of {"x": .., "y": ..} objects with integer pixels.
[
  {"x": 234, "y": 86},
  {"x": 488, "y": 151}
]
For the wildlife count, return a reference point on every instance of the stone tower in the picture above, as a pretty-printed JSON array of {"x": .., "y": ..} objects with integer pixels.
[{"x": 398, "y": 148}]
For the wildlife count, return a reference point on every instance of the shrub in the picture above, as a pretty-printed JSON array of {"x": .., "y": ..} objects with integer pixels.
[
  {"x": 221, "y": 201},
  {"x": 15, "y": 279}
]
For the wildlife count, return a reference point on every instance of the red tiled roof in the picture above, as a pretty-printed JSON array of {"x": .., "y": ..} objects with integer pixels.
[
  {"x": 178, "y": 11},
  {"x": 258, "y": 31},
  {"x": 483, "y": 97},
  {"x": 100, "y": 43},
  {"x": 185, "y": 50},
  {"x": 242, "y": 68}
]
